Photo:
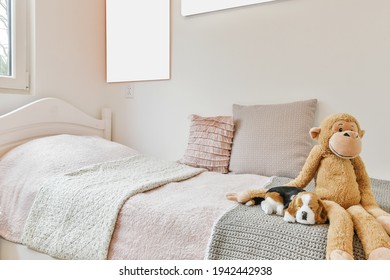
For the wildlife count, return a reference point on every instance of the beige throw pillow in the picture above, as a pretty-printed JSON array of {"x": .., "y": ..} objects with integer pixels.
[
  {"x": 272, "y": 140},
  {"x": 209, "y": 143}
]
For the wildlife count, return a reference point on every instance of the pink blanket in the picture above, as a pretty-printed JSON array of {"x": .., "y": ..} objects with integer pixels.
[{"x": 172, "y": 222}]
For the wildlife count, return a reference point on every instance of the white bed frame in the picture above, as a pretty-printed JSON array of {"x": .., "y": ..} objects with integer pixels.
[
  {"x": 49, "y": 116},
  {"x": 45, "y": 117}
]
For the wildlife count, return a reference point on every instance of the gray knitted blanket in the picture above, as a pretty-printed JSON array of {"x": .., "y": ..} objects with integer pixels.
[
  {"x": 247, "y": 233},
  {"x": 74, "y": 215}
]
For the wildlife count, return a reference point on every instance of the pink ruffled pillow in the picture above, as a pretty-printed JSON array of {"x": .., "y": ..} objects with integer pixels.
[{"x": 210, "y": 143}]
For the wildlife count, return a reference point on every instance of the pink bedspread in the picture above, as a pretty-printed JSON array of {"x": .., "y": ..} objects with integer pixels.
[{"x": 172, "y": 222}]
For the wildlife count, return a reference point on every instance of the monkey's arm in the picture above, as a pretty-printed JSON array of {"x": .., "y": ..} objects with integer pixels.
[
  {"x": 309, "y": 168},
  {"x": 368, "y": 200}
]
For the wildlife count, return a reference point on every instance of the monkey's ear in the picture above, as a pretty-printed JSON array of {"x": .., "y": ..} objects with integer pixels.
[
  {"x": 315, "y": 132},
  {"x": 362, "y": 133}
]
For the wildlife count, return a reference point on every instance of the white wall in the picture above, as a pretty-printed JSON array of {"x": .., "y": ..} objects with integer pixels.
[
  {"x": 335, "y": 51},
  {"x": 69, "y": 54}
]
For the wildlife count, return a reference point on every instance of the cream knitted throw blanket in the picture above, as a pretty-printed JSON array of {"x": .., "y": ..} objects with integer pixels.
[{"x": 74, "y": 215}]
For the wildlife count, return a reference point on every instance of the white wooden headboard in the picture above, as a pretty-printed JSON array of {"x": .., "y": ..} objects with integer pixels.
[{"x": 49, "y": 116}]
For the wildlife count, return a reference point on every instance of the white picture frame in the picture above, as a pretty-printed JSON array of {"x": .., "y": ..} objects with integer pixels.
[
  {"x": 192, "y": 7},
  {"x": 137, "y": 40}
]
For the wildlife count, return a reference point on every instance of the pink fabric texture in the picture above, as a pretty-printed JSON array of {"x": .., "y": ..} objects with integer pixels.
[
  {"x": 174, "y": 221},
  {"x": 210, "y": 143}
]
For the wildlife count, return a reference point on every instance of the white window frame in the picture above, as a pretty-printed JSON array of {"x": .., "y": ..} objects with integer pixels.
[{"x": 19, "y": 80}]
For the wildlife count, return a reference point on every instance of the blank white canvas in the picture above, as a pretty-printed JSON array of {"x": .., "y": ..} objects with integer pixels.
[
  {"x": 191, "y": 7},
  {"x": 137, "y": 40}
]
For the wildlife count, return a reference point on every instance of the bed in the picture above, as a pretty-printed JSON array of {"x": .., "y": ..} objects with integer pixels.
[
  {"x": 58, "y": 138},
  {"x": 68, "y": 192}
]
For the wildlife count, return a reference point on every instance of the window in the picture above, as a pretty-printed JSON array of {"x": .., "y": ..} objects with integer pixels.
[
  {"x": 13, "y": 45},
  {"x": 5, "y": 36}
]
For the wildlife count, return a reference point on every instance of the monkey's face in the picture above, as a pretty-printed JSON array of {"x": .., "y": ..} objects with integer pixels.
[
  {"x": 341, "y": 134},
  {"x": 345, "y": 141}
]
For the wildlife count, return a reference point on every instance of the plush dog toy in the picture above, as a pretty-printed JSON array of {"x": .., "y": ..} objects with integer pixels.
[
  {"x": 341, "y": 181},
  {"x": 295, "y": 204}
]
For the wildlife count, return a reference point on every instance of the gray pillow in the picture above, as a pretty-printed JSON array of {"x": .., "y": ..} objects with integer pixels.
[{"x": 272, "y": 140}]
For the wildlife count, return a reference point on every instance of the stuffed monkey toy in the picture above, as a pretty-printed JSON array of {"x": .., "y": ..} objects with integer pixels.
[{"x": 341, "y": 181}]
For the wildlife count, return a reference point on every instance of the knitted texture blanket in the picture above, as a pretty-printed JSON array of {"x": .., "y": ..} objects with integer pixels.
[
  {"x": 74, "y": 215},
  {"x": 248, "y": 233}
]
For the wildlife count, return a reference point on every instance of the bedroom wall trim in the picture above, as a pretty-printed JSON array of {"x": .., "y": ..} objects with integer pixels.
[{"x": 49, "y": 116}]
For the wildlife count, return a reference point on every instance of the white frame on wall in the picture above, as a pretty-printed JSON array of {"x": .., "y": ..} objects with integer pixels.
[
  {"x": 192, "y": 7},
  {"x": 137, "y": 40}
]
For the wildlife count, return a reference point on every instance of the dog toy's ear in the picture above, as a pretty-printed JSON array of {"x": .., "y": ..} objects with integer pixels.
[
  {"x": 291, "y": 211},
  {"x": 321, "y": 214}
]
